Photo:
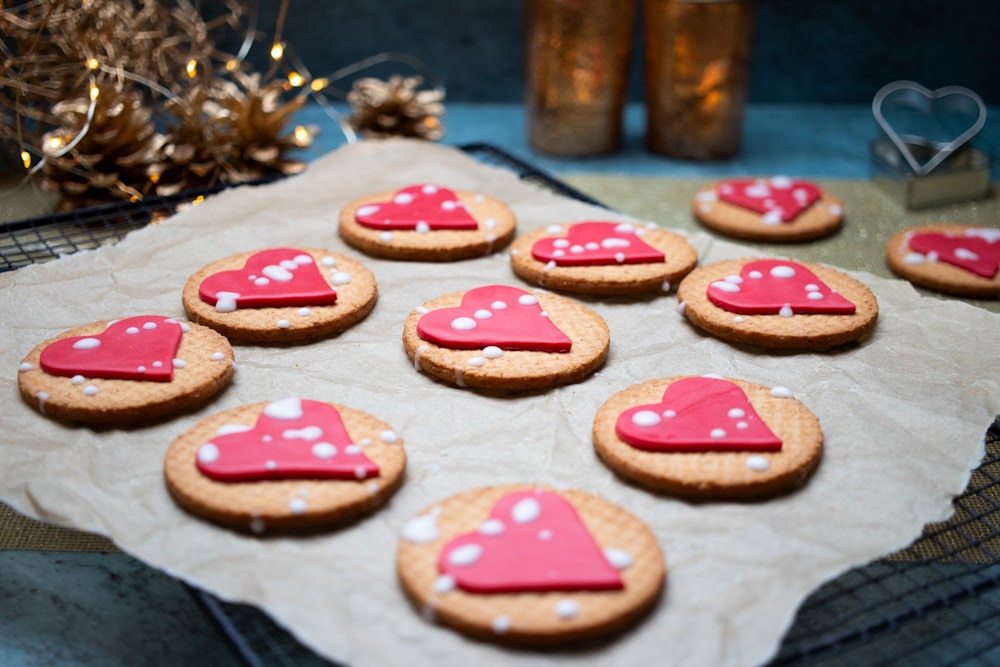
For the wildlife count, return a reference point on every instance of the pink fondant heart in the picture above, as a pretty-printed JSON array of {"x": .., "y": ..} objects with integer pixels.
[
  {"x": 419, "y": 207},
  {"x": 533, "y": 541},
  {"x": 293, "y": 438},
  {"x": 136, "y": 348},
  {"x": 778, "y": 199},
  {"x": 977, "y": 252},
  {"x": 697, "y": 415},
  {"x": 596, "y": 244},
  {"x": 505, "y": 317},
  {"x": 276, "y": 277},
  {"x": 777, "y": 287}
]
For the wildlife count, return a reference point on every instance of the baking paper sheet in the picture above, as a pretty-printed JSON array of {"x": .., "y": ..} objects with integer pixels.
[{"x": 904, "y": 414}]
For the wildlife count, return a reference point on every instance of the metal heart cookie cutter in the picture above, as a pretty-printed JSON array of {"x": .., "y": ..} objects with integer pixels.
[{"x": 930, "y": 164}]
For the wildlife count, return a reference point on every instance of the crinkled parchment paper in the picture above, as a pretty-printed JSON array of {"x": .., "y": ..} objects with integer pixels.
[{"x": 904, "y": 415}]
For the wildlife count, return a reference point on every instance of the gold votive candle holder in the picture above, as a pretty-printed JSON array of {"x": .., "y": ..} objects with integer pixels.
[
  {"x": 576, "y": 74},
  {"x": 697, "y": 70}
]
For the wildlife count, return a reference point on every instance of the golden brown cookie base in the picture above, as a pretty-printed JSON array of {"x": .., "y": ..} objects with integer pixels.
[
  {"x": 532, "y": 617},
  {"x": 496, "y": 228},
  {"x": 707, "y": 475},
  {"x": 264, "y": 506},
  {"x": 130, "y": 401},
  {"x": 355, "y": 301},
  {"x": 608, "y": 279},
  {"x": 813, "y": 332},
  {"x": 515, "y": 369},
  {"x": 938, "y": 276},
  {"x": 821, "y": 219}
]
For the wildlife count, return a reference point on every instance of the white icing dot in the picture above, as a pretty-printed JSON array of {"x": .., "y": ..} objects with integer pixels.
[
  {"x": 208, "y": 453},
  {"x": 554, "y": 229},
  {"x": 812, "y": 287},
  {"x": 303, "y": 312},
  {"x": 498, "y": 305},
  {"x": 271, "y": 465},
  {"x": 619, "y": 558},
  {"x": 149, "y": 325},
  {"x": 42, "y": 397},
  {"x": 756, "y": 275},
  {"x": 423, "y": 528},
  {"x": 225, "y": 302},
  {"x": 286, "y": 409},
  {"x": 278, "y": 272},
  {"x": 782, "y": 392},
  {"x": 567, "y": 609},
  {"x": 328, "y": 261},
  {"x": 179, "y": 363},
  {"x": 527, "y": 300},
  {"x": 444, "y": 584},
  {"x": 467, "y": 554},
  {"x": 742, "y": 425},
  {"x": 77, "y": 379},
  {"x": 526, "y": 510},
  {"x": 739, "y": 319},
  {"x": 86, "y": 344},
  {"x": 353, "y": 450},
  {"x": 814, "y": 296},
  {"x": 360, "y": 472},
  {"x": 482, "y": 314},
  {"x": 449, "y": 205},
  {"x": 545, "y": 534},
  {"x": 366, "y": 210},
  {"x": 726, "y": 286},
  {"x": 965, "y": 253},
  {"x": 550, "y": 265},
  {"x": 422, "y": 227},
  {"x": 463, "y": 323},
  {"x": 476, "y": 361},
  {"x": 560, "y": 243},
  {"x": 283, "y": 324},
  {"x": 297, "y": 506},
  {"x": 132, "y": 331},
  {"x": 491, "y": 527},
  {"x": 666, "y": 286},
  {"x": 25, "y": 366},
  {"x": 772, "y": 217},
  {"x": 645, "y": 418},
  {"x": 669, "y": 414},
  {"x": 340, "y": 278},
  {"x": 718, "y": 433},
  {"x": 786, "y": 311},
  {"x": 217, "y": 356},
  {"x": 501, "y": 624},
  {"x": 492, "y": 352},
  {"x": 736, "y": 413},
  {"x": 226, "y": 429},
  {"x": 388, "y": 437},
  {"x": 620, "y": 257},
  {"x": 141, "y": 369},
  {"x": 159, "y": 364},
  {"x": 782, "y": 271},
  {"x": 757, "y": 462},
  {"x": 261, "y": 282},
  {"x": 385, "y": 237},
  {"x": 324, "y": 450},
  {"x": 757, "y": 190}
]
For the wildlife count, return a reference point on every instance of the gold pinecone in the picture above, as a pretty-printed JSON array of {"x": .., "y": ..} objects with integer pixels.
[
  {"x": 396, "y": 108},
  {"x": 110, "y": 160}
]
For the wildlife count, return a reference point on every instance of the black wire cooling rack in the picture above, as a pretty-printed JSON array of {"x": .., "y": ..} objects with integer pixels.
[{"x": 937, "y": 602}]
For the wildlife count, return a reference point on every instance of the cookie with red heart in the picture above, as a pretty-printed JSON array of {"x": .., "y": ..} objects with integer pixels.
[
  {"x": 530, "y": 566},
  {"x": 281, "y": 295},
  {"x": 507, "y": 338},
  {"x": 776, "y": 209},
  {"x": 601, "y": 257},
  {"x": 777, "y": 303},
  {"x": 427, "y": 222},
  {"x": 708, "y": 437},
  {"x": 286, "y": 465},
  {"x": 951, "y": 258},
  {"x": 135, "y": 369}
]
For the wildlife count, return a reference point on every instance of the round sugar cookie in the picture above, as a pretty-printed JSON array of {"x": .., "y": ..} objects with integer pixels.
[
  {"x": 779, "y": 304},
  {"x": 708, "y": 437},
  {"x": 281, "y": 295},
  {"x": 122, "y": 371},
  {"x": 603, "y": 258},
  {"x": 951, "y": 258},
  {"x": 427, "y": 223},
  {"x": 530, "y": 566},
  {"x": 287, "y": 465},
  {"x": 505, "y": 338},
  {"x": 776, "y": 209}
]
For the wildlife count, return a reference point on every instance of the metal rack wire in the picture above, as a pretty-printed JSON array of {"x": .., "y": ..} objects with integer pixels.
[{"x": 935, "y": 603}]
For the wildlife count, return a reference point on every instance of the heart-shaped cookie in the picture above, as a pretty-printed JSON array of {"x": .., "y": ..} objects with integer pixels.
[
  {"x": 697, "y": 414},
  {"x": 293, "y": 438},
  {"x": 497, "y": 315},
  {"x": 421, "y": 208},
  {"x": 777, "y": 287},
  {"x": 275, "y": 277},
  {"x": 596, "y": 244},
  {"x": 136, "y": 348},
  {"x": 779, "y": 199},
  {"x": 533, "y": 541},
  {"x": 978, "y": 251}
]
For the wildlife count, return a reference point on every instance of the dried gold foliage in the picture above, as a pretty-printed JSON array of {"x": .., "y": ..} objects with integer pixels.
[{"x": 397, "y": 107}]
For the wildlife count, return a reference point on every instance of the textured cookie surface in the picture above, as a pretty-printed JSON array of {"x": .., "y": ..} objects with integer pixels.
[
  {"x": 939, "y": 265},
  {"x": 618, "y": 277},
  {"x": 298, "y": 502},
  {"x": 529, "y": 617},
  {"x": 490, "y": 366},
  {"x": 494, "y": 228},
  {"x": 202, "y": 365},
  {"x": 784, "y": 328},
  {"x": 354, "y": 285},
  {"x": 723, "y": 473},
  {"x": 818, "y": 219}
]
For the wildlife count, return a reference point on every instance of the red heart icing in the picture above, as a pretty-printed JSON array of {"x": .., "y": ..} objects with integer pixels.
[
  {"x": 293, "y": 438},
  {"x": 533, "y": 541},
  {"x": 418, "y": 207},
  {"x": 136, "y": 348},
  {"x": 505, "y": 317},
  {"x": 778, "y": 199},
  {"x": 697, "y": 415},
  {"x": 978, "y": 251},
  {"x": 777, "y": 287},
  {"x": 276, "y": 277},
  {"x": 596, "y": 244}
]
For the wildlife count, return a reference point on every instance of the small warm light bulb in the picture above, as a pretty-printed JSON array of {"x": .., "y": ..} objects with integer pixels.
[
  {"x": 232, "y": 64},
  {"x": 319, "y": 84},
  {"x": 154, "y": 177},
  {"x": 302, "y": 135},
  {"x": 93, "y": 63},
  {"x": 295, "y": 79},
  {"x": 95, "y": 92},
  {"x": 26, "y": 159},
  {"x": 277, "y": 51},
  {"x": 192, "y": 68},
  {"x": 199, "y": 199}
]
